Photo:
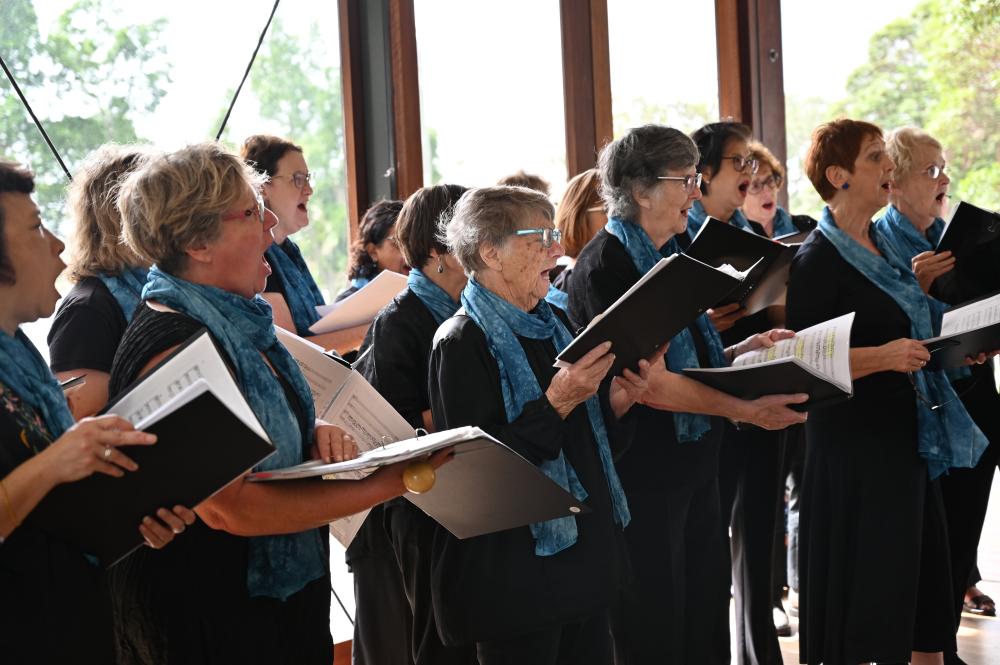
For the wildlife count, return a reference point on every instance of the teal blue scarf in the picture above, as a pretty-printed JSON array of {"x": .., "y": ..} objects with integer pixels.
[
  {"x": 126, "y": 288},
  {"x": 682, "y": 353},
  {"x": 278, "y": 565},
  {"x": 359, "y": 282},
  {"x": 301, "y": 292},
  {"x": 502, "y": 323},
  {"x": 23, "y": 370},
  {"x": 782, "y": 224},
  {"x": 947, "y": 437},
  {"x": 697, "y": 216},
  {"x": 434, "y": 298},
  {"x": 558, "y": 298}
]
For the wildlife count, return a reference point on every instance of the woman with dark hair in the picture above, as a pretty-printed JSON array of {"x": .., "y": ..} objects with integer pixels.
[
  {"x": 291, "y": 290},
  {"x": 913, "y": 225},
  {"x": 55, "y": 605},
  {"x": 390, "y": 556},
  {"x": 676, "y": 608},
  {"x": 252, "y": 582},
  {"x": 108, "y": 278},
  {"x": 872, "y": 522},
  {"x": 376, "y": 248}
]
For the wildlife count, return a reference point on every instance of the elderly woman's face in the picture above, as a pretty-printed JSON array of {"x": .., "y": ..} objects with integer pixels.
[
  {"x": 238, "y": 263},
  {"x": 761, "y": 203},
  {"x": 917, "y": 194},
  {"x": 666, "y": 204},
  {"x": 869, "y": 184},
  {"x": 728, "y": 188},
  {"x": 525, "y": 264},
  {"x": 289, "y": 202}
]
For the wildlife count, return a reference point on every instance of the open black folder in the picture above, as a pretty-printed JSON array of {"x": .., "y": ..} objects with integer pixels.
[
  {"x": 662, "y": 303},
  {"x": 207, "y": 435},
  {"x": 967, "y": 228},
  {"x": 768, "y": 262},
  {"x": 966, "y": 330},
  {"x": 487, "y": 487}
]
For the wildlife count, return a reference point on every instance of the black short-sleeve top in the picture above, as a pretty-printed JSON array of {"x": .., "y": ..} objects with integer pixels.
[{"x": 86, "y": 329}]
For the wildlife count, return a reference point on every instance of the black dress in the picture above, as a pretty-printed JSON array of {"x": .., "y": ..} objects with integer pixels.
[
  {"x": 86, "y": 329},
  {"x": 55, "y": 605},
  {"x": 872, "y": 524},
  {"x": 676, "y": 609},
  {"x": 188, "y": 604},
  {"x": 492, "y": 590},
  {"x": 390, "y": 556}
]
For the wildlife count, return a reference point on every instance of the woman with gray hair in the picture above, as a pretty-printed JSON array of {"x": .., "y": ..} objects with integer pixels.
[
  {"x": 677, "y": 608},
  {"x": 911, "y": 223},
  {"x": 537, "y": 594},
  {"x": 252, "y": 583}
]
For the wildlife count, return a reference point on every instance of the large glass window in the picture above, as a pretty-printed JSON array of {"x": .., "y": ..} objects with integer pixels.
[
  {"x": 664, "y": 67},
  {"x": 491, "y": 92}
]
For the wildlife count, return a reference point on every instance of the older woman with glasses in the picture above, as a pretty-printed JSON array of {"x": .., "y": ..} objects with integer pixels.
[
  {"x": 872, "y": 518},
  {"x": 761, "y": 203},
  {"x": 537, "y": 594},
  {"x": 913, "y": 226},
  {"x": 252, "y": 583},
  {"x": 677, "y": 608}
]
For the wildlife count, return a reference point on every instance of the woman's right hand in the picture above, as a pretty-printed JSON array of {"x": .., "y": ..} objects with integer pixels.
[
  {"x": 90, "y": 446},
  {"x": 580, "y": 381},
  {"x": 904, "y": 355},
  {"x": 928, "y": 266},
  {"x": 772, "y": 412}
]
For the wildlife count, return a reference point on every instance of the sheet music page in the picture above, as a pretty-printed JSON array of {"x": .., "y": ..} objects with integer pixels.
[
  {"x": 825, "y": 347},
  {"x": 975, "y": 315},
  {"x": 362, "y": 305},
  {"x": 198, "y": 360},
  {"x": 325, "y": 375}
]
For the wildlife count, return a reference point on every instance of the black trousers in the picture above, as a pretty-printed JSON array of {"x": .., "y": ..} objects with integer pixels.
[
  {"x": 585, "y": 642},
  {"x": 751, "y": 494}
]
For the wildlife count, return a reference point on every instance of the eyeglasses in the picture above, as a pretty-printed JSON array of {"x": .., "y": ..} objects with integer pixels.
[
  {"x": 934, "y": 171},
  {"x": 249, "y": 212},
  {"x": 689, "y": 182},
  {"x": 299, "y": 179},
  {"x": 926, "y": 401},
  {"x": 549, "y": 236},
  {"x": 741, "y": 162},
  {"x": 771, "y": 181}
]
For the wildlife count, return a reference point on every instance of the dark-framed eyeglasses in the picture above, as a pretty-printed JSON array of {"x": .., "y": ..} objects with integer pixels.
[
  {"x": 741, "y": 162},
  {"x": 771, "y": 182},
  {"x": 689, "y": 182},
  {"x": 549, "y": 236},
  {"x": 929, "y": 403},
  {"x": 249, "y": 212},
  {"x": 299, "y": 179},
  {"x": 935, "y": 171}
]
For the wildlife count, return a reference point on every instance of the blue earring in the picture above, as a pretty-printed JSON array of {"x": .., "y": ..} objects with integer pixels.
[{"x": 845, "y": 186}]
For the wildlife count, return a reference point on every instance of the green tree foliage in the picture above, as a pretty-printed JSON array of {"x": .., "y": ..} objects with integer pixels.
[
  {"x": 299, "y": 95},
  {"x": 104, "y": 73}
]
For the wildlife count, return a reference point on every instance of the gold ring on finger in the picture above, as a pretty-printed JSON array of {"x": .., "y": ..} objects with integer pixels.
[{"x": 107, "y": 452}]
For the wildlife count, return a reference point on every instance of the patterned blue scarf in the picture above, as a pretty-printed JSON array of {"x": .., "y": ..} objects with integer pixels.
[
  {"x": 279, "y": 565},
  {"x": 23, "y": 370},
  {"x": 558, "y": 298},
  {"x": 697, "y": 217},
  {"x": 502, "y": 323},
  {"x": 682, "y": 352},
  {"x": 433, "y": 297},
  {"x": 301, "y": 291},
  {"x": 782, "y": 224},
  {"x": 126, "y": 288},
  {"x": 947, "y": 437}
]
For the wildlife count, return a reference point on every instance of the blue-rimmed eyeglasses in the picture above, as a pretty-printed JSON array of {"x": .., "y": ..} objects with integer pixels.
[
  {"x": 689, "y": 182},
  {"x": 549, "y": 236},
  {"x": 299, "y": 179},
  {"x": 258, "y": 211}
]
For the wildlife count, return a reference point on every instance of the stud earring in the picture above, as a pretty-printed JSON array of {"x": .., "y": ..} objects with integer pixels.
[
  {"x": 845, "y": 186},
  {"x": 440, "y": 265}
]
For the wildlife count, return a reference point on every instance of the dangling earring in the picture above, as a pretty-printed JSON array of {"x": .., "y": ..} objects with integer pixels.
[
  {"x": 440, "y": 265},
  {"x": 845, "y": 186}
]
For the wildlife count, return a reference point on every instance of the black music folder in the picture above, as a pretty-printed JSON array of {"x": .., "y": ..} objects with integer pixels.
[
  {"x": 207, "y": 436},
  {"x": 966, "y": 330},
  {"x": 967, "y": 228},
  {"x": 768, "y": 262},
  {"x": 663, "y": 302},
  {"x": 486, "y": 487}
]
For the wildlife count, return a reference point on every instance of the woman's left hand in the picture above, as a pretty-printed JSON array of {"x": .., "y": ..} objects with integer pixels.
[
  {"x": 332, "y": 444},
  {"x": 158, "y": 532},
  {"x": 764, "y": 340},
  {"x": 981, "y": 358},
  {"x": 630, "y": 388}
]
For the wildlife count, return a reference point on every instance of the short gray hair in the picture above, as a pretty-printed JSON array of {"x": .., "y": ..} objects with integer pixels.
[
  {"x": 901, "y": 143},
  {"x": 489, "y": 216},
  {"x": 636, "y": 159},
  {"x": 175, "y": 201}
]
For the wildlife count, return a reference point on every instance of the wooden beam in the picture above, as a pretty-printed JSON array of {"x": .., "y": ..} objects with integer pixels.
[
  {"x": 354, "y": 115},
  {"x": 733, "y": 61},
  {"x": 405, "y": 99},
  {"x": 586, "y": 81}
]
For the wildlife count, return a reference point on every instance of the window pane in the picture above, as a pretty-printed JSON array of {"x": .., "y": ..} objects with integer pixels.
[
  {"x": 491, "y": 95},
  {"x": 664, "y": 67}
]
